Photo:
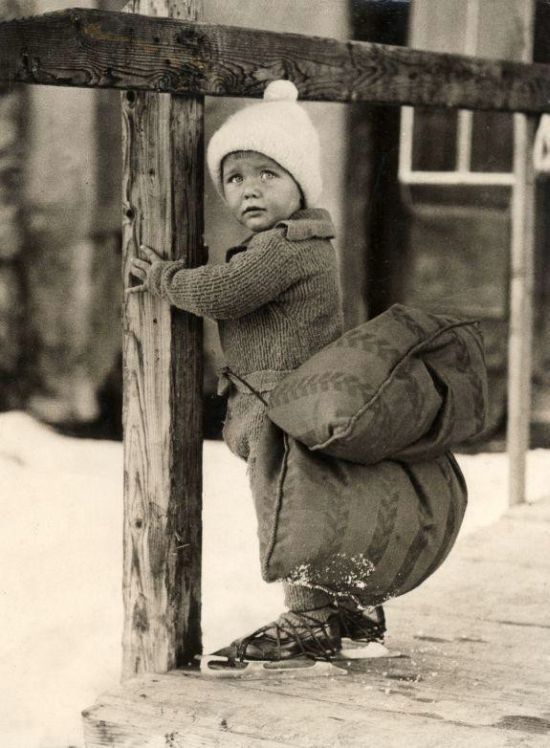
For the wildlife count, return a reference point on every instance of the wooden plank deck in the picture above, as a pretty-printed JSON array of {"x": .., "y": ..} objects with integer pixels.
[{"x": 475, "y": 669}]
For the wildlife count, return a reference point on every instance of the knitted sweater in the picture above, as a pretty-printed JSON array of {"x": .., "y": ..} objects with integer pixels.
[{"x": 276, "y": 299}]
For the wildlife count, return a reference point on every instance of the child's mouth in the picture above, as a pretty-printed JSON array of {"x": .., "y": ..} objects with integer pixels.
[{"x": 247, "y": 211}]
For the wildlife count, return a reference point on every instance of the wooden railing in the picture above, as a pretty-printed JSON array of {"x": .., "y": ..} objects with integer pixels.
[
  {"x": 162, "y": 206},
  {"x": 99, "y": 49}
]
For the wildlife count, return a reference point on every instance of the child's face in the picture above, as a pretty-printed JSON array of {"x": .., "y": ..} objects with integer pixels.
[{"x": 258, "y": 191}]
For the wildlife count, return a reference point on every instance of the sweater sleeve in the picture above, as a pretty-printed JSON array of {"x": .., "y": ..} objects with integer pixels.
[{"x": 250, "y": 280}]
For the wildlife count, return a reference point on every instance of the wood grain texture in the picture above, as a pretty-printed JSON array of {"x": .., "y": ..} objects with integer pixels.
[
  {"x": 471, "y": 671},
  {"x": 522, "y": 282},
  {"x": 116, "y": 50},
  {"x": 162, "y": 205}
]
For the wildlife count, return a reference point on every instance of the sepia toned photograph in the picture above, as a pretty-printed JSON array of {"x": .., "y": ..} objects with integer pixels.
[{"x": 275, "y": 373}]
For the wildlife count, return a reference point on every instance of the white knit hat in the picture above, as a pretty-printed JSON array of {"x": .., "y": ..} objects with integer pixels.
[{"x": 279, "y": 128}]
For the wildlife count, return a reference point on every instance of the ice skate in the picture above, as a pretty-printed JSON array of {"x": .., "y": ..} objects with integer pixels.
[
  {"x": 363, "y": 631},
  {"x": 362, "y": 625},
  {"x": 295, "y": 644}
]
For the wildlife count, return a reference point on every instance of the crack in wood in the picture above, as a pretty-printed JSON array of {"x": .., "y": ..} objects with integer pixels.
[
  {"x": 523, "y": 723},
  {"x": 528, "y": 624}
]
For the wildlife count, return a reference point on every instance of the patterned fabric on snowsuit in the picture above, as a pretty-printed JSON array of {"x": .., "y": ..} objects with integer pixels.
[
  {"x": 370, "y": 531},
  {"x": 407, "y": 385}
]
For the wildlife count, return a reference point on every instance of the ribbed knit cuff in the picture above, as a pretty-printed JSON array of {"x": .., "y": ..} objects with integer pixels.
[
  {"x": 299, "y": 598},
  {"x": 160, "y": 275}
]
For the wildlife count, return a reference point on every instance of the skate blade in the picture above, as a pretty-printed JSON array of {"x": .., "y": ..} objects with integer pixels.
[
  {"x": 353, "y": 651},
  {"x": 220, "y": 667}
]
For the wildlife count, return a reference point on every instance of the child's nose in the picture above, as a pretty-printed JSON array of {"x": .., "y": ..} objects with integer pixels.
[{"x": 252, "y": 187}]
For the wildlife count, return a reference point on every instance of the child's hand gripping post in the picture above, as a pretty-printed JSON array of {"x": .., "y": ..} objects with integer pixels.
[{"x": 140, "y": 268}]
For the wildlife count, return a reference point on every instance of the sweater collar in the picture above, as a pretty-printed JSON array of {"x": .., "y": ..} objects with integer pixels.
[{"x": 307, "y": 223}]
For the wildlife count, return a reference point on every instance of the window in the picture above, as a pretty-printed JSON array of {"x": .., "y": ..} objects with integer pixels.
[{"x": 450, "y": 147}]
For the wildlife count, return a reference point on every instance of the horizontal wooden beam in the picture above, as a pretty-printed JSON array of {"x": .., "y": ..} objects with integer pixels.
[{"x": 99, "y": 49}]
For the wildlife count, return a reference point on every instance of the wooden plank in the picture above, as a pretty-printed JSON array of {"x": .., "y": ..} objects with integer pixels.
[
  {"x": 520, "y": 341},
  {"x": 522, "y": 272},
  {"x": 385, "y": 704},
  {"x": 162, "y": 201},
  {"x": 93, "y": 48},
  {"x": 482, "y": 178},
  {"x": 295, "y": 713},
  {"x": 471, "y": 671},
  {"x": 374, "y": 219}
]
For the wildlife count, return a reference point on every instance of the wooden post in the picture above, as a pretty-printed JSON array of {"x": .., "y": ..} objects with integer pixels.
[
  {"x": 162, "y": 196},
  {"x": 374, "y": 219},
  {"x": 522, "y": 263},
  {"x": 521, "y": 306}
]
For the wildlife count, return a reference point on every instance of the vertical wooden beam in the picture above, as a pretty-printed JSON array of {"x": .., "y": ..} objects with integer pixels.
[
  {"x": 520, "y": 358},
  {"x": 16, "y": 351},
  {"x": 521, "y": 306},
  {"x": 374, "y": 218},
  {"x": 162, "y": 195}
]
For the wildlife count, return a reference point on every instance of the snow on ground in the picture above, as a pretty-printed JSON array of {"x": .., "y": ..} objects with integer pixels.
[{"x": 60, "y": 538}]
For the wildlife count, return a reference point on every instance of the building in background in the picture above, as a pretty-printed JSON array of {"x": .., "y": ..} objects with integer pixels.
[{"x": 432, "y": 235}]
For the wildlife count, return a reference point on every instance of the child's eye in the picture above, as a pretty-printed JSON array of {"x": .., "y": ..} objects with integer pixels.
[
  {"x": 235, "y": 179},
  {"x": 267, "y": 174}
]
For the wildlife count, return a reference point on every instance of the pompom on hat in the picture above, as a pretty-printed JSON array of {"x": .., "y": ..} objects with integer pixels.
[{"x": 279, "y": 128}]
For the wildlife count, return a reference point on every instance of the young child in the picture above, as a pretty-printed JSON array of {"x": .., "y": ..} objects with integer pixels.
[{"x": 276, "y": 301}]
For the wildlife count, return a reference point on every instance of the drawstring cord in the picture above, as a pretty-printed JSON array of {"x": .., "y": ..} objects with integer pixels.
[{"x": 226, "y": 371}]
